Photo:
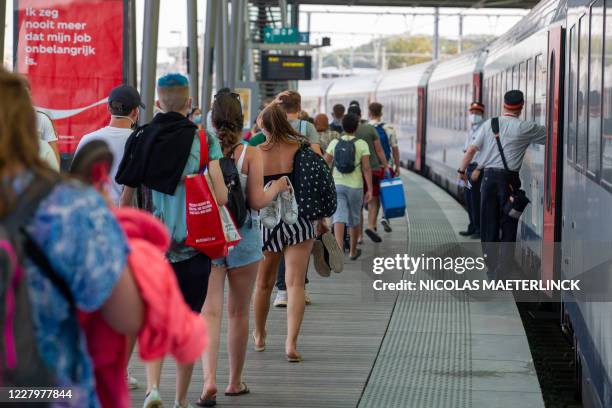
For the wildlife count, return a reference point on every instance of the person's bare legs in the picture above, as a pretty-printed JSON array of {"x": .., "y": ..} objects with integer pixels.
[
  {"x": 296, "y": 263},
  {"x": 373, "y": 208},
  {"x": 213, "y": 314},
  {"x": 183, "y": 379},
  {"x": 266, "y": 277},
  {"x": 354, "y": 237},
  {"x": 339, "y": 234},
  {"x": 153, "y": 370},
  {"x": 241, "y": 282}
]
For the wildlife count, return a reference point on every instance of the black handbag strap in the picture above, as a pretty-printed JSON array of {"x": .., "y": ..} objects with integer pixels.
[{"x": 495, "y": 128}]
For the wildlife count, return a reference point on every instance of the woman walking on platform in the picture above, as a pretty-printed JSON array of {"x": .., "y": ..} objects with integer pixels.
[
  {"x": 283, "y": 231},
  {"x": 240, "y": 266}
]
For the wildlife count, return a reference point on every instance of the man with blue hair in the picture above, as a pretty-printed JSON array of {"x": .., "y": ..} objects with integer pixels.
[{"x": 159, "y": 156}]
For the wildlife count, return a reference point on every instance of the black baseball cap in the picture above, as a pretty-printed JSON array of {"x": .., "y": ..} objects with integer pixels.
[{"x": 127, "y": 95}]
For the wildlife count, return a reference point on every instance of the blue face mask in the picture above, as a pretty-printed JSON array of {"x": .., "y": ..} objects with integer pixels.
[{"x": 197, "y": 119}]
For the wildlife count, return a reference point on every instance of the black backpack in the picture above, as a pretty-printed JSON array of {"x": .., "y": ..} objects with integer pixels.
[
  {"x": 20, "y": 361},
  {"x": 344, "y": 155},
  {"x": 236, "y": 201},
  {"x": 315, "y": 191}
]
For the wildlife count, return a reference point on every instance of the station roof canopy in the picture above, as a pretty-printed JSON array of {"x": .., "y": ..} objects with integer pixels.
[{"x": 428, "y": 3}]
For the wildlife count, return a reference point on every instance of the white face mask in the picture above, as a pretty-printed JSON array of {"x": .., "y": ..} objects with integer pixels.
[{"x": 475, "y": 118}]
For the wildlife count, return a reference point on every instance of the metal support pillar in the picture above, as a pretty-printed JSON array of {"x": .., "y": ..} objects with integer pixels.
[
  {"x": 460, "y": 41},
  {"x": 282, "y": 4},
  {"x": 238, "y": 42},
  {"x": 149, "y": 57},
  {"x": 208, "y": 57},
  {"x": 232, "y": 65},
  {"x": 225, "y": 29},
  {"x": 2, "y": 30},
  {"x": 132, "y": 74},
  {"x": 192, "y": 50},
  {"x": 436, "y": 35},
  {"x": 219, "y": 59}
]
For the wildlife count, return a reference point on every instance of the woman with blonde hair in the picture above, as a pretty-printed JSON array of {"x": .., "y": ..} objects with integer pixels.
[{"x": 84, "y": 251}]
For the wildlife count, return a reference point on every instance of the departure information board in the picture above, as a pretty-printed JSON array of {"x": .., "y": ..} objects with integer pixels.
[{"x": 286, "y": 68}]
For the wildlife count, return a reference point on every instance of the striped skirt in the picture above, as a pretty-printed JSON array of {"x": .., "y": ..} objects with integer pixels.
[{"x": 282, "y": 235}]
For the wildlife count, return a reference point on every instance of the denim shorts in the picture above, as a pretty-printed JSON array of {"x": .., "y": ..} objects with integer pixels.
[
  {"x": 350, "y": 202},
  {"x": 248, "y": 249}
]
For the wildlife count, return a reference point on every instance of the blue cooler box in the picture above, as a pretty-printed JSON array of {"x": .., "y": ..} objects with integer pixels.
[{"x": 392, "y": 197}]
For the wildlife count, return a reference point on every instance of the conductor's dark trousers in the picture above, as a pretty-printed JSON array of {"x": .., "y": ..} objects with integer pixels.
[{"x": 495, "y": 226}]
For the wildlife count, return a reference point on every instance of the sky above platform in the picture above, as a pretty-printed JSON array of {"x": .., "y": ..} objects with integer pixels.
[{"x": 345, "y": 30}]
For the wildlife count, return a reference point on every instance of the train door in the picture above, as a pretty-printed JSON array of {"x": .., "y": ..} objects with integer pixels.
[
  {"x": 553, "y": 153},
  {"x": 419, "y": 164}
]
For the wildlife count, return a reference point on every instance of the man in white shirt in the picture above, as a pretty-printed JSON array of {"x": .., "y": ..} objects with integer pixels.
[
  {"x": 46, "y": 132},
  {"x": 124, "y": 104},
  {"x": 501, "y": 174},
  {"x": 471, "y": 192}
]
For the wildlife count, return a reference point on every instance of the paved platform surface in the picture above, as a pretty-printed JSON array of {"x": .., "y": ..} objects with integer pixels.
[{"x": 364, "y": 348}]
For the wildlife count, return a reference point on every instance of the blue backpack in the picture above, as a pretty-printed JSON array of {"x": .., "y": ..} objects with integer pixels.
[
  {"x": 344, "y": 155},
  {"x": 384, "y": 139}
]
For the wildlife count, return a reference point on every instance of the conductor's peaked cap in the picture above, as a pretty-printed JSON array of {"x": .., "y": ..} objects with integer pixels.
[{"x": 514, "y": 99}]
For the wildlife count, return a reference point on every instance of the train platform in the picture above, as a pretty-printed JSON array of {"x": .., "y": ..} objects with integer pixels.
[{"x": 364, "y": 348}]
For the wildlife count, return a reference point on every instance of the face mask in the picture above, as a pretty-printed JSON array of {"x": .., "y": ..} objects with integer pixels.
[
  {"x": 132, "y": 126},
  {"x": 197, "y": 119},
  {"x": 474, "y": 118}
]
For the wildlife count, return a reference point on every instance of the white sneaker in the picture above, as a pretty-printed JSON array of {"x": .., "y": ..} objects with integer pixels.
[
  {"x": 270, "y": 214},
  {"x": 281, "y": 299},
  {"x": 307, "y": 299},
  {"x": 131, "y": 381},
  {"x": 153, "y": 400},
  {"x": 288, "y": 206}
]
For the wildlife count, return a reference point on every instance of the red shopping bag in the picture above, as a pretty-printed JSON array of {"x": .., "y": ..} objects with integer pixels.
[{"x": 207, "y": 230}]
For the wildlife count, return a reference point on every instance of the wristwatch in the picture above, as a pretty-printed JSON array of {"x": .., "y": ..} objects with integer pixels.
[{"x": 460, "y": 171}]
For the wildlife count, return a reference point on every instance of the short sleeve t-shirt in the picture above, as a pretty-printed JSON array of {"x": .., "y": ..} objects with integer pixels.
[
  {"x": 115, "y": 138},
  {"x": 307, "y": 129},
  {"x": 367, "y": 133},
  {"x": 46, "y": 153},
  {"x": 353, "y": 179},
  {"x": 46, "y": 131},
  {"x": 257, "y": 139}
]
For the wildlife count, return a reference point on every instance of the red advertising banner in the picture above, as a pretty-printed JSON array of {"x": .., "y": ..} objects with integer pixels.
[{"x": 72, "y": 52}]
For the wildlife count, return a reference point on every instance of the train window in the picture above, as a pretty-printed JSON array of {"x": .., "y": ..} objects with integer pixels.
[
  {"x": 583, "y": 87},
  {"x": 515, "y": 77},
  {"x": 529, "y": 90},
  {"x": 523, "y": 82},
  {"x": 606, "y": 140},
  {"x": 572, "y": 95},
  {"x": 549, "y": 133},
  {"x": 508, "y": 84},
  {"x": 539, "y": 108},
  {"x": 595, "y": 78}
]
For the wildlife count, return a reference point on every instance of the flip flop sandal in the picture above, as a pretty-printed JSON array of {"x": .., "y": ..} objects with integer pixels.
[
  {"x": 294, "y": 359},
  {"x": 243, "y": 390},
  {"x": 207, "y": 402},
  {"x": 257, "y": 348},
  {"x": 357, "y": 255}
]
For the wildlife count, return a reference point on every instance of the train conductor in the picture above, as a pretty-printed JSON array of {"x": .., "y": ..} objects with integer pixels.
[{"x": 501, "y": 163}]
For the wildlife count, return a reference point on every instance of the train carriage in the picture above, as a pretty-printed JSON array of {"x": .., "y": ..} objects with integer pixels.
[
  {"x": 453, "y": 85},
  {"x": 402, "y": 93},
  {"x": 347, "y": 89}
]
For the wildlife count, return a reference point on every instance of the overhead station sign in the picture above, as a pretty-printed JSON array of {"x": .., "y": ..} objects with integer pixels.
[
  {"x": 286, "y": 68},
  {"x": 285, "y": 35},
  {"x": 73, "y": 53}
]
